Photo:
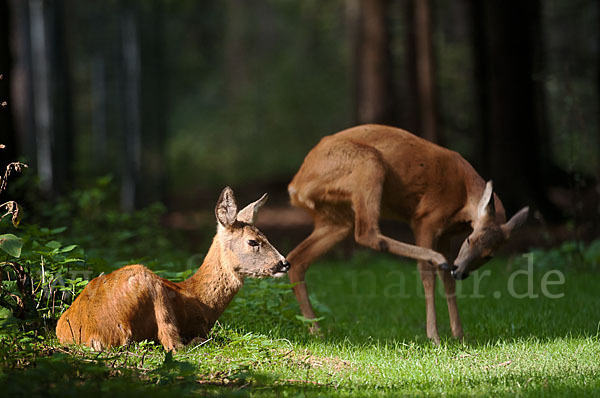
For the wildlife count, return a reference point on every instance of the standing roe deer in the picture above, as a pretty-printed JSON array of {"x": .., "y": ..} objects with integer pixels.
[
  {"x": 353, "y": 177},
  {"x": 133, "y": 303}
]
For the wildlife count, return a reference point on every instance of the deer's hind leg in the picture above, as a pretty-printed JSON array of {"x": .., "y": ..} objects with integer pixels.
[{"x": 325, "y": 235}]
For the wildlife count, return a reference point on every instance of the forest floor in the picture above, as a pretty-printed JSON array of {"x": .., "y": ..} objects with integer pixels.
[{"x": 531, "y": 328}]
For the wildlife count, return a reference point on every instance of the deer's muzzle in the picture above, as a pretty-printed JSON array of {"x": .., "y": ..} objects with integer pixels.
[
  {"x": 283, "y": 266},
  {"x": 459, "y": 275}
]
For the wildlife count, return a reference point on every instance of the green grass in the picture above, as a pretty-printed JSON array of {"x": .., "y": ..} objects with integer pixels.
[{"x": 373, "y": 341}]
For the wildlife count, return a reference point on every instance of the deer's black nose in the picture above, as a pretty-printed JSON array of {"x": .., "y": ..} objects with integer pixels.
[
  {"x": 283, "y": 266},
  {"x": 459, "y": 276}
]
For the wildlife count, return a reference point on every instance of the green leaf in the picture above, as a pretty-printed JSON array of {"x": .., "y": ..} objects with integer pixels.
[
  {"x": 7, "y": 320},
  {"x": 53, "y": 244},
  {"x": 72, "y": 260},
  {"x": 11, "y": 244},
  {"x": 306, "y": 320},
  {"x": 67, "y": 249},
  {"x": 5, "y": 313}
]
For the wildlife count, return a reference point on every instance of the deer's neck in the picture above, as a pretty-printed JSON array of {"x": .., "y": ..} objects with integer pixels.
[{"x": 214, "y": 285}]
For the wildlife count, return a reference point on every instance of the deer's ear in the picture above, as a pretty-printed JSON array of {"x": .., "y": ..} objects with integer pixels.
[
  {"x": 249, "y": 213},
  {"x": 486, "y": 205},
  {"x": 226, "y": 209},
  {"x": 516, "y": 221}
]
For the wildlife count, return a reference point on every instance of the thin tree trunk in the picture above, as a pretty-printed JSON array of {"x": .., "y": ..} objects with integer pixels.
[
  {"x": 7, "y": 130},
  {"x": 235, "y": 57},
  {"x": 131, "y": 158},
  {"x": 481, "y": 72},
  {"x": 425, "y": 71},
  {"x": 60, "y": 96},
  {"x": 408, "y": 93},
  {"x": 352, "y": 20},
  {"x": 154, "y": 106},
  {"x": 99, "y": 112},
  {"x": 373, "y": 61},
  {"x": 41, "y": 98},
  {"x": 21, "y": 81}
]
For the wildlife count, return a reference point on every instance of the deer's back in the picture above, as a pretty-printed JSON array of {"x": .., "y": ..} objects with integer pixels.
[{"x": 416, "y": 170}]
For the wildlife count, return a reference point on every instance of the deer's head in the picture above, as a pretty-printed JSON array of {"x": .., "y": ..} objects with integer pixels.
[
  {"x": 488, "y": 234},
  {"x": 247, "y": 250}
]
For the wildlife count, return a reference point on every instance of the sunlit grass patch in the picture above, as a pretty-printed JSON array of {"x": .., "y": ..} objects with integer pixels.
[{"x": 520, "y": 341}]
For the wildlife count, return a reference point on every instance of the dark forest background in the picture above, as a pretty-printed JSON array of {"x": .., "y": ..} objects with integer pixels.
[{"x": 176, "y": 99}]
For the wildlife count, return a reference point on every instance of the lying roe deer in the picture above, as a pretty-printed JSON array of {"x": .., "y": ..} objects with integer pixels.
[
  {"x": 350, "y": 179},
  {"x": 133, "y": 303}
]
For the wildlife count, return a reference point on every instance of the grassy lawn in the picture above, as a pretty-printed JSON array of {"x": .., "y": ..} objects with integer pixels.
[{"x": 373, "y": 340}]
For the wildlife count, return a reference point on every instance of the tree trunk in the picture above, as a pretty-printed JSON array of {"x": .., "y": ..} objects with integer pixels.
[
  {"x": 41, "y": 99},
  {"x": 235, "y": 58},
  {"x": 7, "y": 130},
  {"x": 481, "y": 72},
  {"x": 40, "y": 88},
  {"x": 352, "y": 21},
  {"x": 99, "y": 114},
  {"x": 154, "y": 105},
  {"x": 425, "y": 71},
  {"x": 60, "y": 96},
  {"x": 512, "y": 107},
  {"x": 21, "y": 81},
  {"x": 372, "y": 60},
  {"x": 407, "y": 106},
  {"x": 131, "y": 134}
]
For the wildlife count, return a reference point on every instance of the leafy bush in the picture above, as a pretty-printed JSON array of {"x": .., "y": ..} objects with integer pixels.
[
  {"x": 112, "y": 238},
  {"x": 570, "y": 255},
  {"x": 40, "y": 279}
]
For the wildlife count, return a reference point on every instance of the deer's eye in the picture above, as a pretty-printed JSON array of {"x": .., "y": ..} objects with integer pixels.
[{"x": 253, "y": 243}]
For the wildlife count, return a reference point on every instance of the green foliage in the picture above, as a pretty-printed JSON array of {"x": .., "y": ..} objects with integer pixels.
[
  {"x": 269, "y": 306},
  {"x": 97, "y": 223},
  {"x": 11, "y": 244},
  {"x": 570, "y": 255},
  {"x": 111, "y": 238},
  {"x": 39, "y": 284},
  {"x": 263, "y": 306}
]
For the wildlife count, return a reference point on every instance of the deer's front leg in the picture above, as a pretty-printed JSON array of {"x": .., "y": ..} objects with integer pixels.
[
  {"x": 450, "y": 289},
  {"x": 425, "y": 238},
  {"x": 166, "y": 318},
  {"x": 427, "y": 272}
]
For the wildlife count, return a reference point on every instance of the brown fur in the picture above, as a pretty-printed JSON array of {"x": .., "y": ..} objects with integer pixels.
[
  {"x": 351, "y": 179},
  {"x": 134, "y": 304}
]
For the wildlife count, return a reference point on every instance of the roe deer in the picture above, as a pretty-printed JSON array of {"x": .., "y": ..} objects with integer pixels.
[
  {"x": 350, "y": 179},
  {"x": 133, "y": 303}
]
